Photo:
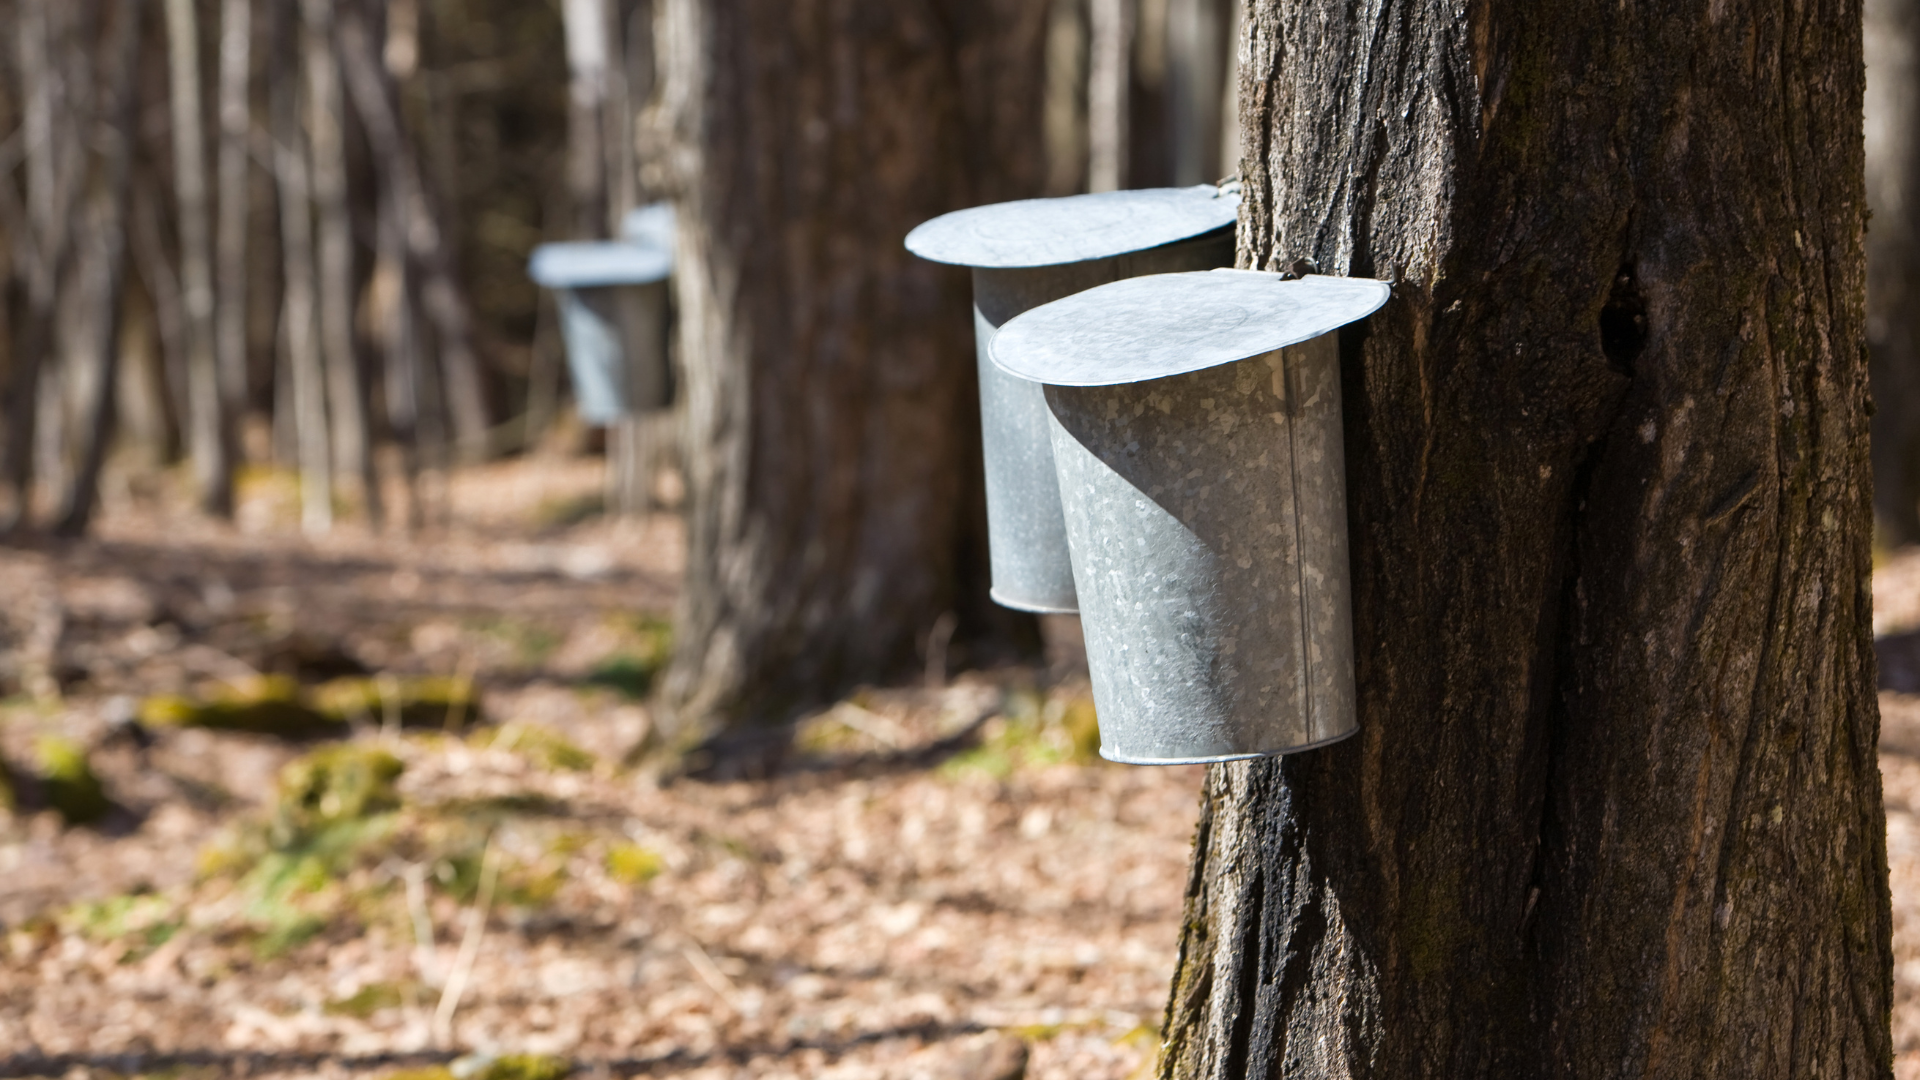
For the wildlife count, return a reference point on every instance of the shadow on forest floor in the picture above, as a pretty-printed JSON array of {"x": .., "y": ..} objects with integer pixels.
[{"x": 927, "y": 868}]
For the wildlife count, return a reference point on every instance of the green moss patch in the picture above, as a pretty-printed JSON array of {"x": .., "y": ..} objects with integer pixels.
[
  {"x": 71, "y": 787},
  {"x": 539, "y": 744},
  {"x": 1033, "y": 732},
  {"x": 278, "y": 705},
  {"x": 633, "y": 669},
  {"x": 265, "y": 705},
  {"x": 631, "y": 864}
]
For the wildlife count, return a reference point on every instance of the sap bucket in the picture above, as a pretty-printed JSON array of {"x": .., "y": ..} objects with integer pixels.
[
  {"x": 612, "y": 297},
  {"x": 1196, "y": 432},
  {"x": 1027, "y": 253}
]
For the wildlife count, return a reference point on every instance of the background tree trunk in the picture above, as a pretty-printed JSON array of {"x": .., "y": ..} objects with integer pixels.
[
  {"x": 411, "y": 232},
  {"x": 587, "y": 64},
  {"x": 1109, "y": 79},
  {"x": 1196, "y": 66},
  {"x": 1893, "y": 261},
  {"x": 327, "y": 162},
  {"x": 230, "y": 237},
  {"x": 836, "y": 505},
  {"x": 41, "y": 233},
  {"x": 155, "y": 266},
  {"x": 1151, "y": 124},
  {"x": 107, "y": 263},
  {"x": 210, "y": 438},
  {"x": 306, "y": 366},
  {"x": 1614, "y": 808},
  {"x": 1065, "y": 119}
]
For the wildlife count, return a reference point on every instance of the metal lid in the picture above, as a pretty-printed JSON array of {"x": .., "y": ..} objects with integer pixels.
[
  {"x": 586, "y": 263},
  {"x": 1074, "y": 228},
  {"x": 651, "y": 225},
  {"x": 1170, "y": 324}
]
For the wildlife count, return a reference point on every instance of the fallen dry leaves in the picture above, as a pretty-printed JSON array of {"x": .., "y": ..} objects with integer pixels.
[{"x": 868, "y": 913}]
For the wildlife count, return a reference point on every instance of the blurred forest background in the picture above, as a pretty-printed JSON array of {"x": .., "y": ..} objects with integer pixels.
[
  {"x": 293, "y": 234},
  {"x": 329, "y": 652}
]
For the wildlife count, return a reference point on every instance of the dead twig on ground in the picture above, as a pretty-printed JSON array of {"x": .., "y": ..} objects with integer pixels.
[{"x": 469, "y": 946}]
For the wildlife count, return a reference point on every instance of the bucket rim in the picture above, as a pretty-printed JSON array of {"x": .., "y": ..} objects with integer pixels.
[
  {"x": 1065, "y": 229},
  {"x": 584, "y": 264},
  {"x": 1160, "y": 325},
  {"x": 1123, "y": 759},
  {"x": 1028, "y": 605}
]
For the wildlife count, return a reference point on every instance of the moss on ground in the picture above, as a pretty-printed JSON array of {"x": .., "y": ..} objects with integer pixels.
[
  {"x": 632, "y": 670},
  {"x": 631, "y": 864},
  {"x": 264, "y": 705},
  {"x": 278, "y": 705},
  {"x": 540, "y": 744},
  {"x": 71, "y": 786},
  {"x": 1033, "y": 732}
]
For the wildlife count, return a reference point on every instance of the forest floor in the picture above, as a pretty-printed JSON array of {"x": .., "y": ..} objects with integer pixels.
[
  {"x": 460, "y": 870},
  {"x": 436, "y": 882}
]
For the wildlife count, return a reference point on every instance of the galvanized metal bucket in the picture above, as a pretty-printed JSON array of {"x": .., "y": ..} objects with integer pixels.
[
  {"x": 612, "y": 298},
  {"x": 1029, "y": 253},
  {"x": 1195, "y": 421}
]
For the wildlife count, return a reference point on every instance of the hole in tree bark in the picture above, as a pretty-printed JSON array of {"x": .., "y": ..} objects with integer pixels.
[{"x": 1623, "y": 321}]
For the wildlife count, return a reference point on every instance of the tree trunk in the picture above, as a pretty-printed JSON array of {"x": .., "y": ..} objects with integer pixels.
[
  {"x": 155, "y": 265},
  {"x": 1893, "y": 261},
  {"x": 1149, "y": 156},
  {"x": 107, "y": 264},
  {"x": 1109, "y": 82},
  {"x": 230, "y": 236},
  {"x": 1065, "y": 118},
  {"x": 586, "y": 29},
  {"x": 376, "y": 103},
  {"x": 836, "y": 502},
  {"x": 1614, "y": 807},
  {"x": 428, "y": 273},
  {"x": 629, "y": 87},
  {"x": 1230, "y": 93},
  {"x": 327, "y": 160},
  {"x": 1196, "y": 63},
  {"x": 391, "y": 299},
  {"x": 210, "y": 438},
  {"x": 43, "y": 236},
  {"x": 298, "y": 325}
]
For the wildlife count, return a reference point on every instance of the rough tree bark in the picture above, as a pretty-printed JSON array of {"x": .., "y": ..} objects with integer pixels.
[
  {"x": 1893, "y": 261},
  {"x": 836, "y": 505},
  {"x": 1614, "y": 807}
]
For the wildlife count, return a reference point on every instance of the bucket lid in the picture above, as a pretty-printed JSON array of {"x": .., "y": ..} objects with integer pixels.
[
  {"x": 585, "y": 263},
  {"x": 1073, "y": 228},
  {"x": 651, "y": 225},
  {"x": 1170, "y": 324}
]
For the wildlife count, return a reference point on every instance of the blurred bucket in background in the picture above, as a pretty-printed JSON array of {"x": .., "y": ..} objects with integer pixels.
[
  {"x": 612, "y": 297},
  {"x": 1195, "y": 421},
  {"x": 1028, "y": 253}
]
